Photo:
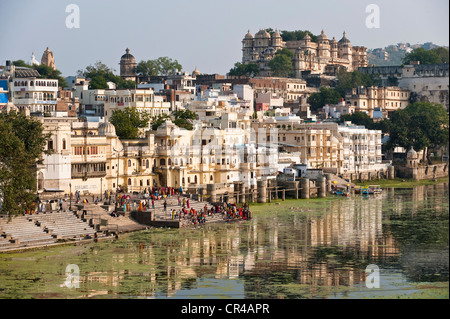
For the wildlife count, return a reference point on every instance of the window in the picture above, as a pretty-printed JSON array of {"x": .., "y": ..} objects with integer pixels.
[
  {"x": 64, "y": 144},
  {"x": 50, "y": 145},
  {"x": 129, "y": 163}
]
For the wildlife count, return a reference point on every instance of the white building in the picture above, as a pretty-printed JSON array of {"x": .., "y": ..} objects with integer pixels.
[
  {"x": 361, "y": 148},
  {"x": 29, "y": 91},
  {"x": 141, "y": 99}
]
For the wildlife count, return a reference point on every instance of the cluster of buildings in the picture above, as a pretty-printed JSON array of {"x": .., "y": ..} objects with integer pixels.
[
  {"x": 247, "y": 129},
  {"x": 322, "y": 56}
]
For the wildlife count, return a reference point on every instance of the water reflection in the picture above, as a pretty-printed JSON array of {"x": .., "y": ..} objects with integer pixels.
[{"x": 308, "y": 249}]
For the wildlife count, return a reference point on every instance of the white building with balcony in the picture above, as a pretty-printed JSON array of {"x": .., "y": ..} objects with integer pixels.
[
  {"x": 144, "y": 100},
  {"x": 29, "y": 91}
]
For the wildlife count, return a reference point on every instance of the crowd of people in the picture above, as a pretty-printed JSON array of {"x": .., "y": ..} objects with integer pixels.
[
  {"x": 146, "y": 202},
  {"x": 227, "y": 211}
]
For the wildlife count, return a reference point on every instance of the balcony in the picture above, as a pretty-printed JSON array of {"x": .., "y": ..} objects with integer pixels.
[
  {"x": 86, "y": 175},
  {"x": 28, "y": 101}
]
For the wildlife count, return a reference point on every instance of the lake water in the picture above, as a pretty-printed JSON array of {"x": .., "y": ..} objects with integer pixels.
[{"x": 317, "y": 248}]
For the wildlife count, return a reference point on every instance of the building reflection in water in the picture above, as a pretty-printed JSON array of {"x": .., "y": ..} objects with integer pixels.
[{"x": 327, "y": 247}]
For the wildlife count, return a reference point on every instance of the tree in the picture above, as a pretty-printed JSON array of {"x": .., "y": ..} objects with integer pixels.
[
  {"x": 21, "y": 149},
  {"x": 168, "y": 66},
  {"x": 358, "y": 118},
  {"x": 100, "y": 74},
  {"x": 247, "y": 69},
  {"x": 147, "y": 68},
  {"x": 443, "y": 54},
  {"x": 325, "y": 96},
  {"x": 297, "y": 35},
  {"x": 425, "y": 56},
  {"x": 128, "y": 122},
  {"x": 159, "y": 66},
  {"x": 281, "y": 64},
  {"x": 348, "y": 80},
  {"x": 183, "y": 117},
  {"x": 158, "y": 120},
  {"x": 421, "y": 125}
]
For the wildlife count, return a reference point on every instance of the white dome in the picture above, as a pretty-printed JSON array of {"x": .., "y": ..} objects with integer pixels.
[
  {"x": 106, "y": 129},
  {"x": 33, "y": 60}
]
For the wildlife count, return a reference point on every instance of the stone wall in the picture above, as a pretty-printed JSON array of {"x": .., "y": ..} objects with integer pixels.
[
  {"x": 147, "y": 218},
  {"x": 422, "y": 172}
]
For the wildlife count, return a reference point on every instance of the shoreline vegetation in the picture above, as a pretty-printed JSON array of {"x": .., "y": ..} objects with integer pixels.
[
  {"x": 262, "y": 208},
  {"x": 401, "y": 183}
]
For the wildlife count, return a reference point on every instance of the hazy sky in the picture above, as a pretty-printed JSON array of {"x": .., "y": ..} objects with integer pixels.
[{"x": 202, "y": 33}]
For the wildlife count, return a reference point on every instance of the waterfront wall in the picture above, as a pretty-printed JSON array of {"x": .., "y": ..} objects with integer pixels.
[
  {"x": 422, "y": 172},
  {"x": 148, "y": 218}
]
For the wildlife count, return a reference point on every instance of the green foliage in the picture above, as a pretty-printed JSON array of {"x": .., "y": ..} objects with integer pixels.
[
  {"x": 241, "y": 69},
  {"x": 182, "y": 118},
  {"x": 325, "y": 96},
  {"x": 45, "y": 72},
  {"x": 100, "y": 74},
  {"x": 349, "y": 80},
  {"x": 159, "y": 66},
  {"x": 21, "y": 150},
  {"x": 433, "y": 56},
  {"x": 128, "y": 122},
  {"x": 420, "y": 125},
  {"x": 281, "y": 64},
  {"x": 297, "y": 35},
  {"x": 158, "y": 120}
]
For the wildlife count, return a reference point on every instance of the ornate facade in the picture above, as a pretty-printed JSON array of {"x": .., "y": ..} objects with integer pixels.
[
  {"x": 48, "y": 59},
  {"x": 322, "y": 57},
  {"x": 128, "y": 66}
]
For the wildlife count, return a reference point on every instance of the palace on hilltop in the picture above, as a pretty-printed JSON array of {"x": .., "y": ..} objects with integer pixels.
[{"x": 322, "y": 57}]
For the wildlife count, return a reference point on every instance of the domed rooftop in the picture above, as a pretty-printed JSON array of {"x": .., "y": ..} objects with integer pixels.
[
  {"x": 262, "y": 34},
  {"x": 307, "y": 37},
  {"x": 127, "y": 55},
  {"x": 33, "y": 60},
  {"x": 411, "y": 153},
  {"x": 344, "y": 40},
  {"x": 195, "y": 72},
  {"x": 276, "y": 34},
  {"x": 322, "y": 36},
  {"x": 248, "y": 35},
  {"x": 106, "y": 129}
]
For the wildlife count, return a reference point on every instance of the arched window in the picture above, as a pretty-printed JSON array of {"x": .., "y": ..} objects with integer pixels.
[
  {"x": 31, "y": 83},
  {"x": 195, "y": 179},
  {"x": 170, "y": 162},
  {"x": 64, "y": 143},
  {"x": 129, "y": 163},
  {"x": 147, "y": 164},
  {"x": 162, "y": 162},
  {"x": 129, "y": 181}
]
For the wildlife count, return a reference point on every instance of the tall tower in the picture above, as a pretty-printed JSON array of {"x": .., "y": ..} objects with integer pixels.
[
  {"x": 128, "y": 66},
  {"x": 324, "y": 45},
  {"x": 48, "y": 59},
  {"x": 345, "y": 51},
  {"x": 247, "y": 47},
  {"x": 277, "y": 40},
  {"x": 334, "y": 48}
]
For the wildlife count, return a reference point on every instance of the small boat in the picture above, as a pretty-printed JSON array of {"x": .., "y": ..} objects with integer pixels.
[
  {"x": 374, "y": 189},
  {"x": 342, "y": 191},
  {"x": 365, "y": 190}
]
